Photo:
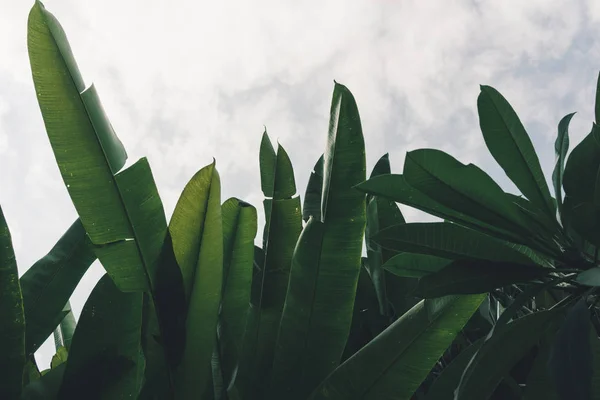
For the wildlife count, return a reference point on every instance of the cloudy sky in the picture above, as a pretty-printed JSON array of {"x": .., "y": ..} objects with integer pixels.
[{"x": 184, "y": 81}]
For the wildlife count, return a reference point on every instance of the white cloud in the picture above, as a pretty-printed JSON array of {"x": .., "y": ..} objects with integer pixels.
[{"x": 187, "y": 81}]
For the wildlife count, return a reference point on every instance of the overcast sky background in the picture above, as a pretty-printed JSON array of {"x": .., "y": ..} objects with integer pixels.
[{"x": 184, "y": 81}]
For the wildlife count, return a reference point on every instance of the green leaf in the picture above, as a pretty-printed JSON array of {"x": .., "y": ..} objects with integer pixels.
[
  {"x": 511, "y": 147},
  {"x": 50, "y": 282},
  {"x": 197, "y": 232},
  {"x": 501, "y": 352},
  {"x": 400, "y": 358},
  {"x": 561, "y": 146},
  {"x": 381, "y": 213},
  {"x": 12, "y": 321},
  {"x": 269, "y": 284},
  {"x": 448, "y": 240},
  {"x": 108, "y": 332},
  {"x": 445, "y": 384},
  {"x": 409, "y": 265},
  {"x": 571, "y": 359},
  {"x": 396, "y": 188},
  {"x": 319, "y": 304},
  {"x": 114, "y": 209},
  {"x": 312, "y": 198},
  {"x": 276, "y": 173},
  {"x": 46, "y": 387},
  {"x": 60, "y": 357},
  {"x": 67, "y": 326},
  {"x": 581, "y": 172},
  {"x": 470, "y": 276},
  {"x": 239, "y": 231},
  {"x": 463, "y": 188}
]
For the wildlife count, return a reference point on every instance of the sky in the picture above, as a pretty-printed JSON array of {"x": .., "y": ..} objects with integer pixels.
[{"x": 185, "y": 81}]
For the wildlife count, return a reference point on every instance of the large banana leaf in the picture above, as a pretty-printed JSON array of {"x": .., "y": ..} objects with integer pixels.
[
  {"x": 113, "y": 209},
  {"x": 395, "y": 363},
  {"x": 448, "y": 240},
  {"x": 105, "y": 361},
  {"x": 239, "y": 231},
  {"x": 561, "y": 146},
  {"x": 45, "y": 387},
  {"x": 269, "y": 286},
  {"x": 326, "y": 265},
  {"x": 196, "y": 229},
  {"x": 511, "y": 146},
  {"x": 49, "y": 283},
  {"x": 12, "y": 321},
  {"x": 501, "y": 351}
]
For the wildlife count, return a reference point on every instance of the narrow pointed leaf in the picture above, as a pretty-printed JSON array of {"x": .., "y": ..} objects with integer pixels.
[
  {"x": 394, "y": 364},
  {"x": 108, "y": 335},
  {"x": 411, "y": 265},
  {"x": 476, "y": 276},
  {"x": 50, "y": 282},
  {"x": 581, "y": 172},
  {"x": 319, "y": 305},
  {"x": 561, "y": 146},
  {"x": 447, "y": 240},
  {"x": 464, "y": 188},
  {"x": 395, "y": 187},
  {"x": 12, "y": 321},
  {"x": 511, "y": 147},
  {"x": 239, "y": 231},
  {"x": 312, "y": 197},
  {"x": 197, "y": 233},
  {"x": 276, "y": 174}
]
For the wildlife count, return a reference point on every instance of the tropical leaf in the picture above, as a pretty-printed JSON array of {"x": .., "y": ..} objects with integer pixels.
[
  {"x": 511, "y": 147},
  {"x": 409, "y": 265},
  {"x": 448, "y": 240},
  {"x": 312, "y": 198},
  {"x": 470, "y": 276},
  {"x": 50, "y": 282},
  {"x": 445, "y": 384},
  {"x": 561, "y": 146},
  {"x": 107, "y": 335},
  {"x": 239, "y": 231},
  {"x": 396, "y": 188},
  {"x": 197, "y": 234},
  {"x": 282, "y": 228},
  {"x": 500, "y": 352},
  {"x": 394, "y": 364},
  {"x": 59, "y": 358},
  {"x": 571, "y": 358},
  {"x": 318, "y": 307},
  {"x": 12, "y": 321},
  {"x": 464, "y": 188},
  {"x": 580, "y": 176},
  {"x": 114, "y": 208},
  {"x": 46, "y": 387}
]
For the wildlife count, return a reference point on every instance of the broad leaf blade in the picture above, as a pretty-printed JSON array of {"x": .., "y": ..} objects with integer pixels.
[
  {"x": 270, "y": 282},
  {"x": 12, "y": 321},
  {"x": 196, "y": 229},
  {"x": 239, "y": 231},
  {"x": 571, "y": 359},
  {"x": 395, "y": 363},
  {"x": 50, "y": 282},
  {"x": 511, "y": 147},
  {"x": 320, "y": 298},
  {"x": 501, "y": 352},
  {"x": 409, "y": 265},
  {"x": 107, "y": 335}
]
